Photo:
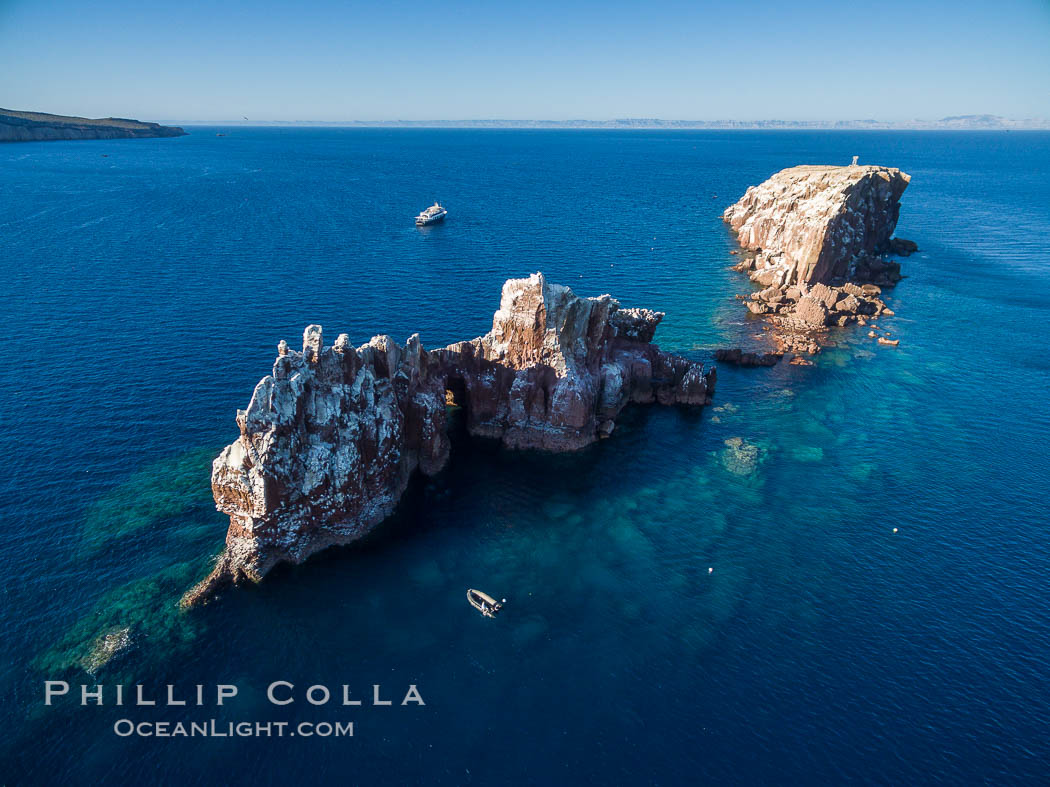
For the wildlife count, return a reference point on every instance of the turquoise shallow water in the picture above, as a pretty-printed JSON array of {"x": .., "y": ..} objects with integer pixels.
[{"x": 148, "y": 282}]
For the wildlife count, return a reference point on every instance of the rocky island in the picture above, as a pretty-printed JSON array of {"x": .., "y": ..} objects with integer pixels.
[
  {"x": 331, "y": 438},
  {"x": 18, "y": 126},
  {"x": 816, "y": 238}
]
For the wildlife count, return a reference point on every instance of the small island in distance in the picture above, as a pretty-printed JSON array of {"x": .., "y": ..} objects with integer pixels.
[{"x": 18, "y": 126}]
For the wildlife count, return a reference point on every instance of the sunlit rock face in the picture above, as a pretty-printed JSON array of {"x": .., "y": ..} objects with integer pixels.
[
  {"x": 331, "y": 438},
  {"x": 818, "y": 239},
  {"x": 815, "y": 224},
  {"x": 556, "y": 367}
]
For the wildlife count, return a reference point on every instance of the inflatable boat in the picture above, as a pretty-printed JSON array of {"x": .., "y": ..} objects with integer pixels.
[{"x": 484, "y": 603}]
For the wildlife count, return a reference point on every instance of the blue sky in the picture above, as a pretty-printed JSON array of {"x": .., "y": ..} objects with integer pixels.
[{"x": 445, "y": 59}]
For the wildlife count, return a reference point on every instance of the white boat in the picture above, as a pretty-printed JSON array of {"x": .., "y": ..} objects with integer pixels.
[{"x": 431, "y": 215}]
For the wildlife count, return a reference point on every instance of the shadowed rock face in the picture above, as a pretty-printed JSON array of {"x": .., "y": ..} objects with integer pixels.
[{"x": 331, "y": 438}]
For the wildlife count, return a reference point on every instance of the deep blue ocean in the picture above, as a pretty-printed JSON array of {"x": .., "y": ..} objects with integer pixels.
[{"x": 146, "y": 283}]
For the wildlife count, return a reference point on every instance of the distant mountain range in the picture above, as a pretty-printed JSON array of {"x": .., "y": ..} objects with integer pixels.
[
  {"x": 16, "y": 126},
  {"x": 957, "y": 122}
]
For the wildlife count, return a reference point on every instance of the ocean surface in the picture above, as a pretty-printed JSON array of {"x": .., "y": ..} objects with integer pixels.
[{"x": 860, "y": 593}]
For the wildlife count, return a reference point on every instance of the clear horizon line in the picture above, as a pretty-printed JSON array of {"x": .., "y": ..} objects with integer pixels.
[{"x": 972, "y": 121}]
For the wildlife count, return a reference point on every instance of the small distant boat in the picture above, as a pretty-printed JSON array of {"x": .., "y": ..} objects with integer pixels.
[
  {"x": 431, "y": 215},
  {"x": 484, "y": 603}
]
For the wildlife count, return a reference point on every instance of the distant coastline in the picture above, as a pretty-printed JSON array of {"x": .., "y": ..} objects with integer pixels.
[
  {"x": 953, "y": 123},
  {"x": 17, "y": 126}
]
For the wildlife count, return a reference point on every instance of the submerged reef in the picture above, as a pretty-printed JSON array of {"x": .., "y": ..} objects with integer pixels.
[
  {"x": 156, "y": 501},
  {"x": 331, "y": 438},
  {"x": 106, "y": 648},
  {"x": 107, "y": 639},
  {"x": 816, "y": 239}
]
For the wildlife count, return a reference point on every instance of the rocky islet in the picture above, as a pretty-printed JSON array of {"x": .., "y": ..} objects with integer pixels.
[
  {"x": 331, "y": 438},
  {"x": 816, "y": 239}
]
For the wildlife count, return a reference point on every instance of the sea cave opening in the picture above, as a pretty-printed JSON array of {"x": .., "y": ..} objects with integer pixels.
[{"x": 457, "y": 402}]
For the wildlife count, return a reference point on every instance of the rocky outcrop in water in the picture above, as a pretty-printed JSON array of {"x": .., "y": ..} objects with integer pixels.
[
  {"x": 818, "y": 236},
  {"x": 738, "y": 357},
  {"x": 106, "y": 649},
  {"x": 331, "y": 438},
  {"x": 18, "y": 126},
  {"x": 815, "y": 224}
]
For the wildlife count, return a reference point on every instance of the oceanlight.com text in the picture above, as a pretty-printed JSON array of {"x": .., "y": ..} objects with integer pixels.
[{"x": 245, "y": 729}]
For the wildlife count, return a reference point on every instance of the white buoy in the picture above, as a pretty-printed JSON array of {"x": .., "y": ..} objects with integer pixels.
[
  {"x": 894, "y": 530},
  {"x": 710, "y": 570}
]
